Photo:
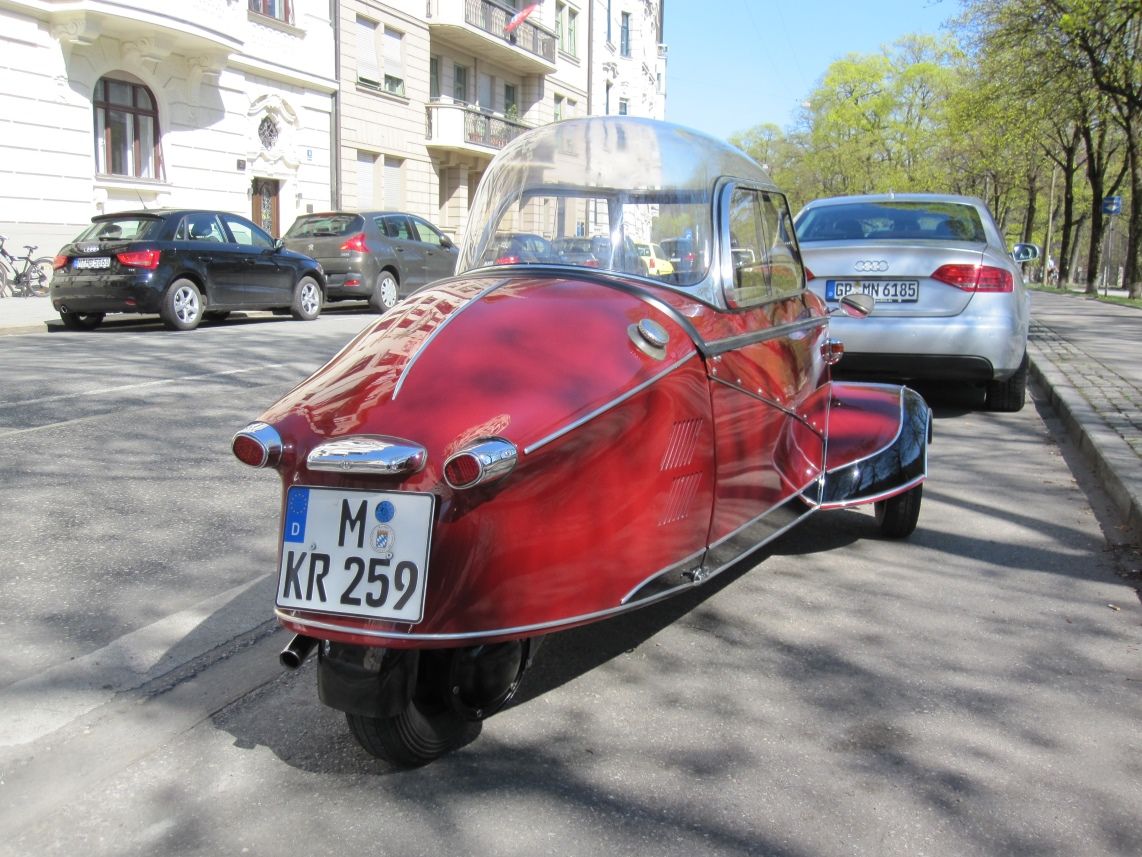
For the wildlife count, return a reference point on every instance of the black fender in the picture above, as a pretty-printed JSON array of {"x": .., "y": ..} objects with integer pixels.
[{"x": 364, "y": 680}]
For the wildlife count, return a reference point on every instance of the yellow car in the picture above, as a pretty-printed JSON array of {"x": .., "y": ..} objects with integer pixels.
[{"x": 655, "y": 263}]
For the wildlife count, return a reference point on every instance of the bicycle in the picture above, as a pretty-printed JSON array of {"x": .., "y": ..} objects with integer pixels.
[{"x": 30, "y": 280}]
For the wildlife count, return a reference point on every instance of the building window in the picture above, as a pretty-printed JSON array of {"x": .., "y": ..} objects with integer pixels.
[
  {"x": 566, "y": 26},
  {"x": 126, "y": 130},
  {"x": 511, "y": 104},
  {"x": 394, "y": 62},
  {"x": 434, "y": 78},
  {"x": 460, "y": 84},
  {"x": 624, "y": 106},
  {"x": 559, "y": 102},
  {"x": 280, "y": 9},
  {"x": 624, "y": 35},
  {"x": 610, "y": 40},
  {"x": 386, "y": 69}
]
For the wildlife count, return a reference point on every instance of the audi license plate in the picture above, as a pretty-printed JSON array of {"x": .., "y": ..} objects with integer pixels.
[
  {"x": 92, "y": 262},
  {"x": 357, "y": 553},
  {"x": 884, "y": 291}
]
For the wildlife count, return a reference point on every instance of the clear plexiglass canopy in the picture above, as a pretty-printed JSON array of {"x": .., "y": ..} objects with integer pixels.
[{"x": 620, "y": 194}]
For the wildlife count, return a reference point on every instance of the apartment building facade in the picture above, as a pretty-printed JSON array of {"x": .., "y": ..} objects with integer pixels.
[
  {"x": 273, "y": 108},
  {"x": 106, "y": 106}
]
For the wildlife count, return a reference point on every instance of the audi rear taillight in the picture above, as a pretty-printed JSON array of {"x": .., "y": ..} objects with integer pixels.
[
  {"x": 356, "y": 243},
  {"x": 975, "y": 278},
  {"x": 258, "y": 445},
  {"x": 139, "y": 258},
  {"x": 808, "y": 275},
  {"x": 508, "y": 260},
  {"x": 59, "y": 262}
]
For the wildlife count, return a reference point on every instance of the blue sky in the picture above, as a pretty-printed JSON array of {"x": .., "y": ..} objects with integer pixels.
[{"x": 734, "y": 64}]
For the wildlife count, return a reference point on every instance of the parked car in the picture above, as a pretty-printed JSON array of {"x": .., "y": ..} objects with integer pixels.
[
  {"x": 577, "y": 251},
  {"x": 378, "y": 256},
  {"x": 950, "y": 300},
  {"x": 682, "y": 253},
  {"x": 521, "y": 248},
  {"x": 185, "y": 265},
  {"x": 654, "y": 259},
  {"x": 523, "y": 449}
]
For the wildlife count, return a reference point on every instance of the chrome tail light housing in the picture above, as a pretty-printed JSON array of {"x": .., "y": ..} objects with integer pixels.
[
  {"x": 258, "y": 445},
  {"x": 480, "y": 462}
]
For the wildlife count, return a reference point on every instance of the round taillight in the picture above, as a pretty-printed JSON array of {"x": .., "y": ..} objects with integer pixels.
[{"x": 257, "y": 445}]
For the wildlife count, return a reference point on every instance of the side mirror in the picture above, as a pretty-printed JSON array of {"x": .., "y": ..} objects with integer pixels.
[
  {"x": 1024, "y": 252},
  {"x": 858, "y": 305},
  {"x": 446, "y": 242},
  {"x": 278, "y": 245}
]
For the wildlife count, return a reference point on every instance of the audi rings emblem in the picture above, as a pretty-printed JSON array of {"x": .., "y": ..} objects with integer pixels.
[{"x": 869, "y": 266}]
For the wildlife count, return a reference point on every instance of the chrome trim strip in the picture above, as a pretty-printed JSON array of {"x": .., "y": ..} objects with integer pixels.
[
  {"x": 390, "y": 456},
  {"x": 613, "y": 403},
  {"x": 447, "y": 321},
  {"x": 765, "y": 399},
  {"x": 774, "y": 510},
  {"x": 677, "y": 566},
  {"x": 872, "y": 498},
  {"x": 721, "y": 346}
]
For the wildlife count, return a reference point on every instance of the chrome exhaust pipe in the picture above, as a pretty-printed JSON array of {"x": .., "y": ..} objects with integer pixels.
[{"x": 296, "y": 651}]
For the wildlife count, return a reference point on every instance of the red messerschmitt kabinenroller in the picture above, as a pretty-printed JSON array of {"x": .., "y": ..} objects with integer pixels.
[{"x": 624, "y": 389}]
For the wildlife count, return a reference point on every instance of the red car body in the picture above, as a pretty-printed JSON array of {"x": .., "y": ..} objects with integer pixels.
[{"x": 571, "y": 444}]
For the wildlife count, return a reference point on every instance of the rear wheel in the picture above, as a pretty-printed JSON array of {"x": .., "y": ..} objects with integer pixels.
[
  {"x": 181, "y": 308},
  {"x": 306, "y": 300},
  {"x": 415, "y": 737},
  {"x": 40, "y": 275},
  {"x": 897, "y": 516},
  {"x": 385, "y": 293},
  {"x": 1009, "y": 395},
  {"x": 81, "y": 320}
]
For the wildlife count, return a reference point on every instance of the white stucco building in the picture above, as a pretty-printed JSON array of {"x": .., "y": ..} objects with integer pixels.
[
  {"x": 272, "y": 108},
  {"x": 111, "y": 105}
]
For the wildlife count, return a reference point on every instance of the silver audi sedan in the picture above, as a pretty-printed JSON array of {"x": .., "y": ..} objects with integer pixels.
[{"x": 950, "y": 301}]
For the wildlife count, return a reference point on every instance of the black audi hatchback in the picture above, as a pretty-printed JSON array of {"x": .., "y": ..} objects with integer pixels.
[{"x": 185, "y": 265}]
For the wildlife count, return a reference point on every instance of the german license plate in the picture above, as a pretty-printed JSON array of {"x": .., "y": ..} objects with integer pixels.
[
  {"x": 884, "y": 291},
  {"x": 92, "y": 262},
  {"x": 357, "y": 553}
]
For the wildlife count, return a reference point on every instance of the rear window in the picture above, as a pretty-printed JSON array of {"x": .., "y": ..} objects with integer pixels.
[
  {"x": 122, "y": 229},
  {"x": 891, "y": 220},
  {"x": 325, "y": 225}
]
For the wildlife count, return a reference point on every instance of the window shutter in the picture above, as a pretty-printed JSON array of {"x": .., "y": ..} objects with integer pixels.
[
  {"x": 367, "y": 68},
  {"x": 394, "y": 62},
  {"x": 365, "y": 179},
  {"x": 393, "y": 184}
]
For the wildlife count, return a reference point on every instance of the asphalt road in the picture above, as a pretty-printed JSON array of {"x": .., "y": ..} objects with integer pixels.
[{"x": 975, "y": 690}]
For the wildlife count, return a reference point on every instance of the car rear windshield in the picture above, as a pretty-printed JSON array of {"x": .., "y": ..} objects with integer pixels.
[
  {"x": 122, "y": 229},
  {"x": 325, "y": 225},
  {"x": 892, "y": 220}
]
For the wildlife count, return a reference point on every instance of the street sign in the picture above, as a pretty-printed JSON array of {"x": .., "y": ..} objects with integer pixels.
[{"x": 1112, "y": 205}]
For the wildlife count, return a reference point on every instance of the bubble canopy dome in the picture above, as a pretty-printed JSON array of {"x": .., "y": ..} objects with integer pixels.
[{"x": 616, "y": 194}]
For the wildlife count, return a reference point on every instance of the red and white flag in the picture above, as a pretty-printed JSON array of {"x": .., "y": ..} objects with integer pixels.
[{"x": 520, "y": 16}]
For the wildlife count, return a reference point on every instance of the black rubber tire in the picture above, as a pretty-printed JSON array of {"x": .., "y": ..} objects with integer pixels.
[
  {"x": 1010, "y": 395},
  {"x": 411, "y": 738},
  {"x": 307, "y": 300},
  {"x": 182, "y": 305},
  {"x": 81, "y": 320},
  {"x": 897, "y": 516},
  {"x": 386, "y": 292}
]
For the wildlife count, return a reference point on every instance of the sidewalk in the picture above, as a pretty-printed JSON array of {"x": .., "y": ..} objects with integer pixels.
[
  {"x": 27, "y": 315},
  {"x": 1087, "y": 356}
]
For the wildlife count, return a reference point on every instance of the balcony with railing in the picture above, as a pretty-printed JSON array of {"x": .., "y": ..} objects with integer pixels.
[
  {"x": 480, "y": 28},
  {"x": 460, "y": 128}
]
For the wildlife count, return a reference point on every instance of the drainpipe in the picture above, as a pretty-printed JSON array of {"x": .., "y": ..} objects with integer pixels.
[
  {"x": 335, "y": 111},
  {"x": 590, "y": 56}
]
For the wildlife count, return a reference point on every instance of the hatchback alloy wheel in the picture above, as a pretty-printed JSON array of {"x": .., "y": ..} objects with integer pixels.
[{"x": 182, "y": 306}]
